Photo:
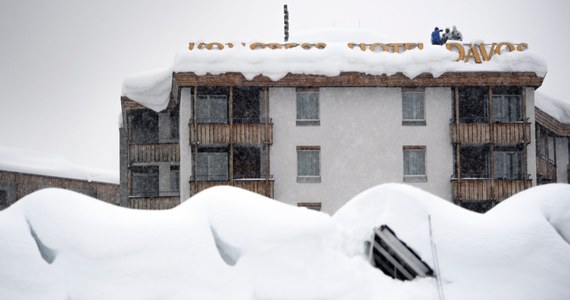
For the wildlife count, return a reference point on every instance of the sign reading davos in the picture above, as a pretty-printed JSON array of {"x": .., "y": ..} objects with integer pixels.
[{"x": 478, "y": 53}]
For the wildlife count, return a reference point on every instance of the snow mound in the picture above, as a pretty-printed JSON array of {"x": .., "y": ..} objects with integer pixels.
[
  {"x": 40, "y": 163},
  {"x": 227, "y": 243}
]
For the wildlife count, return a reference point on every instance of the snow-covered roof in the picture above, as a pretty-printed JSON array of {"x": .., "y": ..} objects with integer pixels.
[
  {"x": 329, "y": 55},
  {"x": 557, "y": 108},
  {"x": 228, "y": 243},
  {"x": 47, "y": 164}
]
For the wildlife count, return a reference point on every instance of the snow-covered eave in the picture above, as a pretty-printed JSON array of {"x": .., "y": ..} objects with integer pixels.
[
  {"x": 36, "y": 163},
  {"x": 549, "y": 122},
  {"x": 333, "y": 64}
]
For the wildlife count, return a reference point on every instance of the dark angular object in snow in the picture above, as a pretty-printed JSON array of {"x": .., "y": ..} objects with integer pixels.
[{"x": 394, "y": 257}]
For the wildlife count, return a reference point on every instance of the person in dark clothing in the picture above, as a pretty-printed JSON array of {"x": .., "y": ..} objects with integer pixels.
[
  {"x": 435, "y": 38},
  {"x": 446, "y": 36}
]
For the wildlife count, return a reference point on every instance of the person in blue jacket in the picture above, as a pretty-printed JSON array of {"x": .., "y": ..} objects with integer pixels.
[{"x": 435, "y": 38}]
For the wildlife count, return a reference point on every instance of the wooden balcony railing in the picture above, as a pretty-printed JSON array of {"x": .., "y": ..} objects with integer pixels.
[
  {"x": 234, "y": 133},
  {"x": 546, "y": 167},
  {"x": 487, "y": 189},
  {"x": 483, "y": 133},
  {"x": 153, "y": 202},
  {"x": 154, "y": 152},
  {"x": 260, "y": 186}
]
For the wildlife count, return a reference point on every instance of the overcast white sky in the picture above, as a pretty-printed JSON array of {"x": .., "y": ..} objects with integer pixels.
[{"x": 63, "y": 61}]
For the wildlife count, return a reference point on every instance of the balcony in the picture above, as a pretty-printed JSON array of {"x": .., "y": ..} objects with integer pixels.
[
  {"x": 257, "y": 185},
  {"x": 546, "y": 167},
  {"x": 242, "y": 131},
  {"x": 485, "y": 133},
  {"x": 154, "y": 153},
  {"x": 153, "y": 202},
  {"x": 475, "y": 189}
]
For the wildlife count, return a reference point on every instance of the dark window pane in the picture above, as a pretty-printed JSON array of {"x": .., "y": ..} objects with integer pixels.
[
  {"x": 144, "y": 126},
  {"x": 145, "y": 181},
  {"x": 473, "y": 102}
]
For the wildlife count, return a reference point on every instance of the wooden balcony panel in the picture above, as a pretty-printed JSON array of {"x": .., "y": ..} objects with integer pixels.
[
  {"x": 546, "y": 168},
  {"x": 156, "y": 203},
  {"x": 487, "y": 189},
  {"x": 262, "y": 187},
  {"x": 154, "y": 153},
  {"x": 506, "y": 188},
  {"x": 235, "y": 133},
  {"x": 471, "y": 133},
  {"x": 511, "y": 133},
  {"x": 472, "y": 189}
]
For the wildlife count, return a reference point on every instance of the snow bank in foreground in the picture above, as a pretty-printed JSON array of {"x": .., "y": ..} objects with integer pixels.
[
  {"x": 556, "y": 108},
  {"x": 39, "y": 163},
  {"x": 227, "y": 243}
]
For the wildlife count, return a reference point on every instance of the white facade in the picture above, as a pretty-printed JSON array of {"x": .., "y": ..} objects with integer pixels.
[{"x": 361, "y": 138}]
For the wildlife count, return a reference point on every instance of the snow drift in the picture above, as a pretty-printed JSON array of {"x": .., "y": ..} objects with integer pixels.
[{"x": 227, "y": 243}]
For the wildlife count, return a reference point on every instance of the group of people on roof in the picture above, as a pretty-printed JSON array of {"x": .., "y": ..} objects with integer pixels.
[{"x": 454, "y": 35}]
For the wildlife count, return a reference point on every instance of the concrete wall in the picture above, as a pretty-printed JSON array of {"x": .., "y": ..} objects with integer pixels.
[
  {"x": 361, "y": 137},
  {"x": 531, "y": 148},
  {"x": 185, "y": 150}
]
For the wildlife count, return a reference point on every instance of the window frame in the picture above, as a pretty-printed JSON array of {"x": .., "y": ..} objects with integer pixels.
[
  {"x": 507, "y": 168},
  {"x": 405, "y": 158},
  {"x": 405, "y": 101},
  {"x": 303, "y": 178},
  {"x": 307, "y": 122}
]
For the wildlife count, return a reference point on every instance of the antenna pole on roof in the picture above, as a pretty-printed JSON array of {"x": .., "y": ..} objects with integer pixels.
[{"x": 286, "y": 22}]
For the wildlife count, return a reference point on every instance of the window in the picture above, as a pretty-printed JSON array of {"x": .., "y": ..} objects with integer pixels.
[
  {"x": 415, "y": 163},
  {"x": 212, "y": 165},
  {"x": 473, "y": 103},
  {"x": 507, "y": 105},
  {"x": 308, "y": 107},
  {"x": 174, "y": 124},
  {"x": 212, "y": 109},
  {"x": 144, "y": 126},
  {"x": 309, "y": 164},
  {"x": 413, "y": 107},
  {"x": 3, "y": 198},
  {"x": 507, "y": 164},
  {"x": 144, "y": 181},
  {"x": 174, "y": 178},
  {"x": 474, "y": 161}
]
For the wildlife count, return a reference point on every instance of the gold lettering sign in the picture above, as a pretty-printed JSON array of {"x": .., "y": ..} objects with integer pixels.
[
  {"x": 478, "y": 53},
  {"x": 481, "y": 53}
]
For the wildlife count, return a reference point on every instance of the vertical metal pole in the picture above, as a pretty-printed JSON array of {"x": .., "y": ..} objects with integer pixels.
[{"x": 286, "y": 22}]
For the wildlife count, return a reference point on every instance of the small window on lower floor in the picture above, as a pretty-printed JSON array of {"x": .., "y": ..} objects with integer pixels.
[
  {"x": 3, "y": 198},
  {"x": 415, "y": 163},
  {"x": 174, "y": 178},
  {"x": 310, "y": 205},
  {"x": 144, "y": 181},
  {"x": 309, "y": 164}
]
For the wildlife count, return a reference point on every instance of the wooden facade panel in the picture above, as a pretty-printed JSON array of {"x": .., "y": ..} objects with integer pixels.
[
  {"x": 355, "y": 79},
  {"x": 154, "y": 153},
  {"x": 262, "y": 187},
  {"x": 487, "y": 189},
  {"x": 25, "y": 184},
  {"x": 235, "y": 134},
  {"x": 154, "y": 203}
]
